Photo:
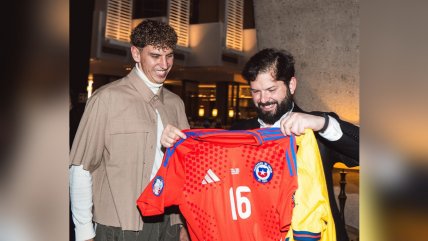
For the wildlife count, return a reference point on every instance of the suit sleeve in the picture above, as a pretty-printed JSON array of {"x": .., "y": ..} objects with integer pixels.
[
  {"x": 312, "y": 218},
  {"x": 348, "y": 145},
  {"x": 165, "y": 189}
]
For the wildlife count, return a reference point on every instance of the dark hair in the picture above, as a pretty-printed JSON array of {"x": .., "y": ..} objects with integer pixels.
[
  {"x": 280, "y": 62},
  {"x": 155, "y": 33}
]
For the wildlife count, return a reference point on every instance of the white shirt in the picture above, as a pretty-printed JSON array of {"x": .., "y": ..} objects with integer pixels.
[
  {"x": 81, "y": 202},
  {"x": 81, "y": 180},
  {"x": 159, "y": 154},
  {"x": 333, "y": 132}
]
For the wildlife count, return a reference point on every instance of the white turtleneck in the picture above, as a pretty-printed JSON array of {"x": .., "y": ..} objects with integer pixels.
[{"x": 154, "y": 87}]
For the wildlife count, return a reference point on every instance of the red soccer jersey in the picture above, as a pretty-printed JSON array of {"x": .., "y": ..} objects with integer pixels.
[{"x": 229, "y": 185}]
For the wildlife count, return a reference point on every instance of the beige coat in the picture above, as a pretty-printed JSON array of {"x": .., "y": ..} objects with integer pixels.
[{"x": 116, "y": 142}]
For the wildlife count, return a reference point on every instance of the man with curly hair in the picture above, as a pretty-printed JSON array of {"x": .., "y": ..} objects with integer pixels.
[{"x": 117, "y": 150}]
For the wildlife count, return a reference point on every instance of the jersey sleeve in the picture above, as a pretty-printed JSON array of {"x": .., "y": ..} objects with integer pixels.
[
  {"x": 312, "y": 219},
  {"x": 165, "y": 189},
  {"x": 288, "y": 186}
]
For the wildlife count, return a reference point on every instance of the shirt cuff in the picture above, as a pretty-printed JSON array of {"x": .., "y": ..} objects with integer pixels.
[
  {"x": 333, "y": 131},
  {"x": 176, "y": 218},
  {"x": 84, "y": 231}
]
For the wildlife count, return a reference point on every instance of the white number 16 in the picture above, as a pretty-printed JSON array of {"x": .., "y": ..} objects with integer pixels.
[{"x": 242, "y": 203}]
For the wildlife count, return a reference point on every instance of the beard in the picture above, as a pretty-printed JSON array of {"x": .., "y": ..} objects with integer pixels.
[{"x": 270, "y": 117}]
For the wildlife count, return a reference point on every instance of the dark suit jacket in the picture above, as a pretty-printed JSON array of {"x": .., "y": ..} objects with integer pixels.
[{"x": 345, "y": 150}]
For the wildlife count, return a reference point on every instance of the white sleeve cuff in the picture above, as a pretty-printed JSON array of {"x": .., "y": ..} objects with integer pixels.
[
  {"x": 333, "y": 131},
  {"x": 84, "y": 232},
  {"x": 81, "y": 202}
]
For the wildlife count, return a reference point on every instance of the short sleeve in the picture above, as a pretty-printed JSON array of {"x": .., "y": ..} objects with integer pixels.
[{"x": 89, "y": 142}]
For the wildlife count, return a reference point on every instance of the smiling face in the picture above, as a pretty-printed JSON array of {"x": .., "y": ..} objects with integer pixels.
[
  {"x": 154, "y": 62},
  {"x": 271, "y": 97}
]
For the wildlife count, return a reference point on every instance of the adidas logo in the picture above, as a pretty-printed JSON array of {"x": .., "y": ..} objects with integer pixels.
[{"x": 210, "y": 177}]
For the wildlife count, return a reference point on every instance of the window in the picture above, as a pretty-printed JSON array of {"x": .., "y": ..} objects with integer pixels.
[
  {"x": 179, "y": 19},
  {"x": 234, "y": 24},
  {"x": 118, "y": 20}
]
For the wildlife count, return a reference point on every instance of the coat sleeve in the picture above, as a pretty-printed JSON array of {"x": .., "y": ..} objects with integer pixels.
[{"x": 89, "y": 142}]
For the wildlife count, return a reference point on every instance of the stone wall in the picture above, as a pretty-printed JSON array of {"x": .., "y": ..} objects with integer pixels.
[{"x": 324, "y": 38}]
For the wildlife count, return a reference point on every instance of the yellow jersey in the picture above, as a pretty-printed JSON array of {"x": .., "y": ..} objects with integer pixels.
[{"x": 312, "y": 218}]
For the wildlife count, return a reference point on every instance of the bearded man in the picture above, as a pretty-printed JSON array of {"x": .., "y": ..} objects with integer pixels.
[{"x": 271, "y": 76}]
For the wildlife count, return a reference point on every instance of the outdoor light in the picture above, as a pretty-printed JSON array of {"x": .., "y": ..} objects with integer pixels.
[
  {"x": 201, "y": 111},
  {"x": 214, "y": 112},
  {"x": 89, "y": 88},
  {"x": 231, "y": 113}
]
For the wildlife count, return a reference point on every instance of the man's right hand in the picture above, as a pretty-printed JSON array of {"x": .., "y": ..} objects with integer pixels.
[{"x": 171, "y": 135}]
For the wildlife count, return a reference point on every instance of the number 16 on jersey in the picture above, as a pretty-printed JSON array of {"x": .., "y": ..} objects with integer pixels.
[{"x": 242, "y": 203}]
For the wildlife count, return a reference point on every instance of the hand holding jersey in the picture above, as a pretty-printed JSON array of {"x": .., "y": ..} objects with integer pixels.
[
  {"x": 170, "y": 135},
  {"x": 296, "y": 123},
  {"x": 229, "y": 185}
]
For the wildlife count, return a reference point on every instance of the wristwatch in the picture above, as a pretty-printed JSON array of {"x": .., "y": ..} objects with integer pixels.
[{"x": 326, "y": 118}]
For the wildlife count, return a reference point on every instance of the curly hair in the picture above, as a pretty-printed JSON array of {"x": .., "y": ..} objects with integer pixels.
[
  {"x": 155, "y": 33},
  {"x": 280, "y": 62}
]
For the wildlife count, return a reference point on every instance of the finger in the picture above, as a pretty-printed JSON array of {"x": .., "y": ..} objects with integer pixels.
[
  {"x": 282, "y": 129},
  {"x": 179, "y": 133},
  {"x": 291, "y": 125},
  {"x": 282, "y": 126},
  {"x": 173, "y": 132},
  {"x": 296, "y": 130},
  {"x": 167, "y": 142},
  {"x": 301, "y": 130},
  {"x": 286, "y": 128}
]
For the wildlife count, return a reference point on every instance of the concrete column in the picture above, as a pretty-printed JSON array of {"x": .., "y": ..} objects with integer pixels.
[{"x": 323, "y": 36}]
